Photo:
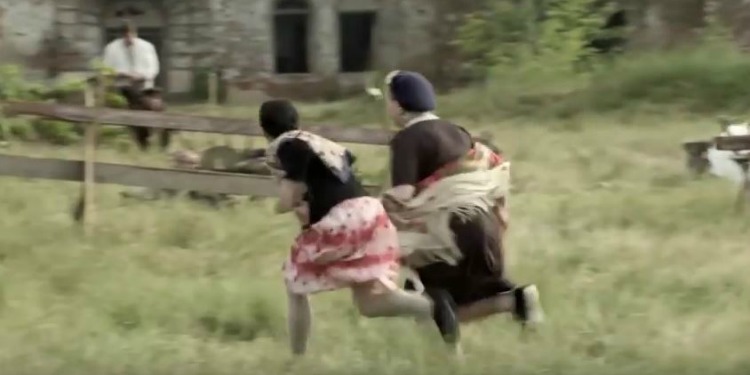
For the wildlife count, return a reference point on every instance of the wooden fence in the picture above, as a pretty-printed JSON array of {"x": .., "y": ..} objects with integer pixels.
[{"x": 91, "y": 172}]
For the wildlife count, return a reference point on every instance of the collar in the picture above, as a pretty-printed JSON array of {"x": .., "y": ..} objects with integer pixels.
[{"x": 422, "y": 117}]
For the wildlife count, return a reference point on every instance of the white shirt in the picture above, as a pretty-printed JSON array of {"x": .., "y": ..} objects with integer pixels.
[
  {"x": 138, "y": 58},
  {"x": 425, "y": 116},
  {"x": 721, "y": 162}
]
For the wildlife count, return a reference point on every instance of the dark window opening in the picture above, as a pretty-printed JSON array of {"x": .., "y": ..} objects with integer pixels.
[
  {"x": 291, "y": 36},
  {"x": 355, "y": 33},
  {"x": 291, "y": 5}
]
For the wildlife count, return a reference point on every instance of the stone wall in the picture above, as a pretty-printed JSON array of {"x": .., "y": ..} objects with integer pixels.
[
  {"x": 403, "y": 38},
  {"x": 235, "y": 37},
  {"x": 26, "y": 27},
  {"x": 188, "y": 31},
  {"x": 231, "y": 36}
]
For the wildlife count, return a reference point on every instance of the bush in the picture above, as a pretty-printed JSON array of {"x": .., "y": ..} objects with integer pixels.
[
  {"x": 534, "y": 60},
  {"x": 542, "y": 35},
  {"x": 704, "y": 79},
  {"x": 13, "y": 86}
]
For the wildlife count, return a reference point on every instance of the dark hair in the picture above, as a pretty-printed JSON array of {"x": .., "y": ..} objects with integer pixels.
[
  {"x": 128, "y": 27},
  {"x": 277, "y": 117}
]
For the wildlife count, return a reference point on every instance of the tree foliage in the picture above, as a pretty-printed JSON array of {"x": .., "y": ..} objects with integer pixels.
[{"x": 537, "y": 34}]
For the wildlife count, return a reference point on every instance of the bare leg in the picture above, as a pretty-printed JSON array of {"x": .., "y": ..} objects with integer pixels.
[
  {"x": 372, "y": 302},
  {"x": 299, "y": 322}
]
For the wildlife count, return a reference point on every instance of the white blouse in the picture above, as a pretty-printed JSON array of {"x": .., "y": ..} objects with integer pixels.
[{"x": 139, "y": 58}]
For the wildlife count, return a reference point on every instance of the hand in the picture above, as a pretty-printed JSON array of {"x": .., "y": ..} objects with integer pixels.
[
  {"x": 303, "y": 214},
  {"x": 391, "y": 204},
  {"x": 137, "y": 77}
]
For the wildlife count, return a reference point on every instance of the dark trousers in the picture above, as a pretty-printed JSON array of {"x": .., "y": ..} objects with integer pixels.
[
  {"x": 137, "y": 100},
  {"x": 480, "y": 273}
]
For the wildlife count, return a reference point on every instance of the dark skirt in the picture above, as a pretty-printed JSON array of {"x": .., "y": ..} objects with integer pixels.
[
  {"x": 144, "y": 100},
  {"x": 479, "y": 274}
]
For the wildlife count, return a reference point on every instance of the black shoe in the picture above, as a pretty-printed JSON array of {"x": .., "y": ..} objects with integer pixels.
[
  {"x": 444, "y": 315},
  {"x": 528, "y": 309}
]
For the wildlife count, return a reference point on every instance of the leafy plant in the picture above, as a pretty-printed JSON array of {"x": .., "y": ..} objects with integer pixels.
[{"x": 14, "y": 86}]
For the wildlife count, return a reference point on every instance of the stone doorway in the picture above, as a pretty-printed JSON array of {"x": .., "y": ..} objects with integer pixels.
[
  {"x": 355, "y": 40},
  {"x": 291, "y": 36}
]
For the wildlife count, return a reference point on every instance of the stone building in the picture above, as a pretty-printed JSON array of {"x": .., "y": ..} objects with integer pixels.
[
  {"x": 296, "y": 48},
  {"x": 284, "y": 47}
]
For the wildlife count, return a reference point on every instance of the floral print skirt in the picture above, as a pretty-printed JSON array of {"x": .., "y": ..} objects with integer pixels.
[{"x": 354, "y": 243}]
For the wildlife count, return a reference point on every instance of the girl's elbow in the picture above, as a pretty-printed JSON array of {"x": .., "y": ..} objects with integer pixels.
[{"x": 282, "y": 207}]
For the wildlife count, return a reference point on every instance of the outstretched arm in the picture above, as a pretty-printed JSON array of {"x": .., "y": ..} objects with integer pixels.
[{"x": 290, "y": 195}]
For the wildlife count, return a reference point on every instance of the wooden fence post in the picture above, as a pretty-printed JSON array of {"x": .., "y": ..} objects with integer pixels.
[
  {"x": 213, "y": 102},
  {"x": 95, "y": 97}
]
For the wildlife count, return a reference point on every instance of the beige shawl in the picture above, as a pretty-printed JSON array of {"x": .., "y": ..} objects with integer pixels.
[
  {"x": 333, "y": 155},
  {"x": 423, "y": 220}
]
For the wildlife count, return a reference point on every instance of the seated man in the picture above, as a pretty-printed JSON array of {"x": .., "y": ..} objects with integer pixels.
[
  {"x": 448, "y": 202},
  {"x": 137, "y": 65}
]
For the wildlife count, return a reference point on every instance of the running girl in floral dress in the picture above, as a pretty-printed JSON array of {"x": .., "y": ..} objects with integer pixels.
[{"x": 347, "y": 239}]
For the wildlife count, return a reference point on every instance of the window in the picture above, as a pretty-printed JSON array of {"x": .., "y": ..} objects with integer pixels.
[
  {"x": 355, "y": 38},
  {"x": 291, "y": 19}
]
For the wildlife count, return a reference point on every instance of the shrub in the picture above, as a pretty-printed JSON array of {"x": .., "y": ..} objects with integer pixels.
[
  {"x": 534, "y": 61},
  {"x": 13, "y": 86},
  {"x": 704, "y": 79}
]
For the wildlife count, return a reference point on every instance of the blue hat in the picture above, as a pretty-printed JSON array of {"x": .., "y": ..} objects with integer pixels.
[{"x": 412, "y": 91}]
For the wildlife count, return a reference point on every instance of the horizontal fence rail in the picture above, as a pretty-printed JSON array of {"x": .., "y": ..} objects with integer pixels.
[
  {"x": 130, "y": 175},
  {"x": 192, "y": 123},
  {"x": 89, "y": 173}
]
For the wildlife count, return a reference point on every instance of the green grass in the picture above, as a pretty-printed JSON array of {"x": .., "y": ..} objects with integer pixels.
[{"x": 642, "y": 271}]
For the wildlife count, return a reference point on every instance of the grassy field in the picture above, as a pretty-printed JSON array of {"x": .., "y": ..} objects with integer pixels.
[{"x": 642, "y": 270}]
